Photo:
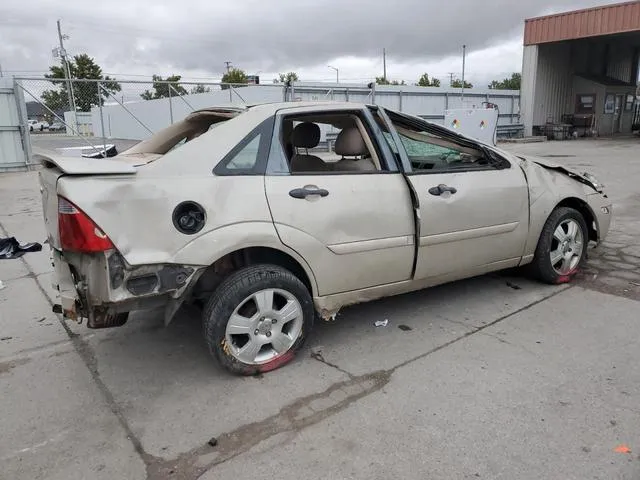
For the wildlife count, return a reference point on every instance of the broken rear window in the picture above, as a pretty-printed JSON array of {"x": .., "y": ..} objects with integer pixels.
[{"x": 179, "y": 133}]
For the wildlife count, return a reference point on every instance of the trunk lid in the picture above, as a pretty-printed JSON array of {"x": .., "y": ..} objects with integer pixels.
[{"x": 55, "y": 167}]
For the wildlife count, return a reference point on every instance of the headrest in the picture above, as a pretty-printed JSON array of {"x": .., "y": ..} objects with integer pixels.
[
  {"x": 306, "y": 135},
  {"x": 350, "y": 143}
]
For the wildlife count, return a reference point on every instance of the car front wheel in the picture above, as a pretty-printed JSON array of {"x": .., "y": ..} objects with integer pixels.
[
  {"x": 257, "y": 319},
  {"x": 562, "y": 246}
]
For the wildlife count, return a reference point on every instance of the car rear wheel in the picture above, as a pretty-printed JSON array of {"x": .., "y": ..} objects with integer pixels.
[
  {"x": 562, "y": 246},
  {"x": 257, "y": 319}
]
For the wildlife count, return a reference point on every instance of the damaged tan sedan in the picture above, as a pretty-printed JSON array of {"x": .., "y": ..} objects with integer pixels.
[{"x": 242, "y": 212}]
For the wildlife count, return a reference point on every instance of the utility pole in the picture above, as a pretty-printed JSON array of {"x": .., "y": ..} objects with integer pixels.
[
  {"x": 228, "y": 64},
  {"x": 0, "y": 70},
  {"x": 66, "y": 69},
  {"x": 464, "y": 53},
  {"x": 451, "y": 74},
  {"x": 384, "y": 64}
]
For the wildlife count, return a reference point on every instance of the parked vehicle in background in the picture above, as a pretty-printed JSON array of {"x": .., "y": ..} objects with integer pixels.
[
  {"x": 266, "y": 233},
  {"x": 37, "y": 125},
  {"x": 57, "y": 126}
]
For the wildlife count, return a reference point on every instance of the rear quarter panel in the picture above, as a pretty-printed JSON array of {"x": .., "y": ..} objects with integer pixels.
[{"x": 136, "y": 213}]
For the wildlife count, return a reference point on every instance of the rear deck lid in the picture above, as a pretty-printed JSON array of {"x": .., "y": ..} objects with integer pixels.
[
  {"x": 56, "y": 167},
  {"x": 86, "y": 166}
]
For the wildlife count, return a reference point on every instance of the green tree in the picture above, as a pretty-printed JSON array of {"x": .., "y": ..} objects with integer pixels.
[
  {"x": 386, "y": 81},
  {"x": 512, "y": 83},
  {"x": 200, "y": 88},
  {"x": 85, "y": 94},
  {"x": 286, "y": 77},
  {"x": 234, "y": 76},
  {"x": 161, "y": 88},
  {"x": 425, "y": 81},
  {"x": 457, "y": 83}
]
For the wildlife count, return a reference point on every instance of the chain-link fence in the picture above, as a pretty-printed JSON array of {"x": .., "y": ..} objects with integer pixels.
[{"x": 100, "y": 118}]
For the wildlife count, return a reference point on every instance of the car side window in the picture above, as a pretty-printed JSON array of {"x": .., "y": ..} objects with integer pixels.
[
  {"x": 325, "y": 142},
  {"x": 431, "y": 154},
  {"x": 247, "y": 157}
]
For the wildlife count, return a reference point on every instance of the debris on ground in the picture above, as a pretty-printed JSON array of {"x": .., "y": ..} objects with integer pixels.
[
  {"x": 405, "y": 328},
  {"x": 213, "y": 442},
  {"x": 514, "y": 286},
  {"x": 622, "y": 449},
  {"x": 2, "y": 339},
  {"x": 11, "y": 248},
  {"x": 381, "y": 323},
  {"x": 2, "y": 285}
]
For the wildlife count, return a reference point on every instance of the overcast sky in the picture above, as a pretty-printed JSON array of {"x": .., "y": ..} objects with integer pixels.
[{"x": 134, "y": 38}]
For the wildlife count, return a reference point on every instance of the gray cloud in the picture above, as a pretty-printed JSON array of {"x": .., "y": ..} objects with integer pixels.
[{"x": 258, "y": 35}]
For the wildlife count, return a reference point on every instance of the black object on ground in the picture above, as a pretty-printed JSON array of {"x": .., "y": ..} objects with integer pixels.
[{"x": 10, "y": 248}]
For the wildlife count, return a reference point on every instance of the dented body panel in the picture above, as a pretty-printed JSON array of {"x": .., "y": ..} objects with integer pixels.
[{"x": 366, "y": 240}]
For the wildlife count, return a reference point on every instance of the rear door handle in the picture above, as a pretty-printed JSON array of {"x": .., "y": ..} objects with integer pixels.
[
  {"x": 440, "y": 189},
  {"x": 308, "y": 191}
]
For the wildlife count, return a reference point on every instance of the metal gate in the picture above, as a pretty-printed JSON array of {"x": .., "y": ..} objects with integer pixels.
[{"x": 14, "y": 144}]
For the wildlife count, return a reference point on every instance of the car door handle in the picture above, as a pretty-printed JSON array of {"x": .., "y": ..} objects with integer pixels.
[
  {"x": 308, "y": 191},
  {"x": 440, "y": 189}
]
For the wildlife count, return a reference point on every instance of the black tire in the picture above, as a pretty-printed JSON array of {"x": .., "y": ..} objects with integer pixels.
[
  {"x": 31, "y": 129},
  {"x": 541, "y": 266},
  {"x": 41, "y": 128},
  {"x": 234, "y": 290}
]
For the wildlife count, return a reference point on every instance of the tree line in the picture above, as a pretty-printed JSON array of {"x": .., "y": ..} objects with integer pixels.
[{"x": 87, "y": 94}]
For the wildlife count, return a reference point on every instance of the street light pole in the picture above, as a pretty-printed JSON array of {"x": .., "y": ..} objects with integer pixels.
[{"x": 337, "y": 75}]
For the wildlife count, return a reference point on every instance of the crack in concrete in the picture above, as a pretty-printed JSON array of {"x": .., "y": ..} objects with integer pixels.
[
  {"x": 317, "y": 355},
  {"x": 302, "y": 413}
]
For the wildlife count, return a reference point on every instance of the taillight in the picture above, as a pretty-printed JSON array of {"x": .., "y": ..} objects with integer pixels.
[{"x": 77, "y": 231}]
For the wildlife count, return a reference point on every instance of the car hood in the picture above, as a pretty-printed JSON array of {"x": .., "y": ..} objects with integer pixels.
[{"x": 582, "y": 177}]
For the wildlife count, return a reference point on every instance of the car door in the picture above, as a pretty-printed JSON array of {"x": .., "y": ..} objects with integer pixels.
[
  {"x": 355, "y": 229},
  {"x": 473, "y": 204}
]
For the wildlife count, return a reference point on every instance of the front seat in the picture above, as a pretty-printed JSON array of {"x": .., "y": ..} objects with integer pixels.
[
  {"x": 306, "y": 135},
  {"x": 350, "y": 143}
]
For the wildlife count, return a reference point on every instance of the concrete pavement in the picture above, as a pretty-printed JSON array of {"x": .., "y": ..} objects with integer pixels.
[{"x": 493, "y": 377}]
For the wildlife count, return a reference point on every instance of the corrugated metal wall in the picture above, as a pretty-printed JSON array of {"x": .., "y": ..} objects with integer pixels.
[
  {"x": 604, "y": 20},
  {"x": 12, "y": 155},
  {"x": 553, "y": 83},
  {"x": 603, "y": 57},
  {"x": 620, "y": 61}
]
